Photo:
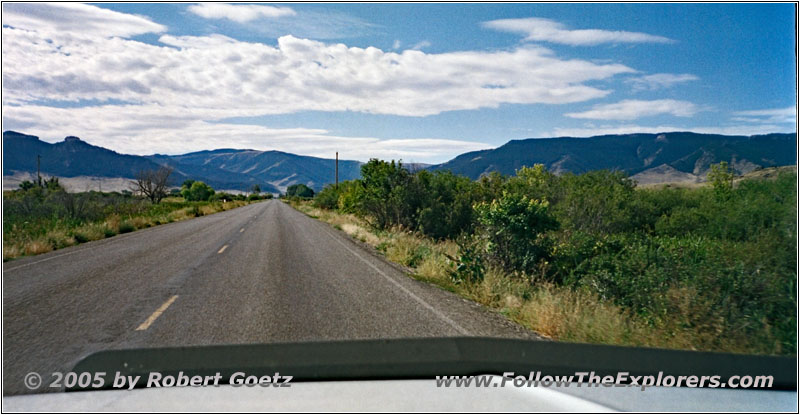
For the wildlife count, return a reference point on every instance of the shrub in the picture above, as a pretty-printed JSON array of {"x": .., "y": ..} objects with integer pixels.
[
  {"x": 597, "y": 202},
  {"x": 198, "y": 191},
  {"x": 328, "y": 198},
  {"x": 469, "y": 267},
  {"x": 386, "y": 197},
  {"x": 444, "y": 209},
  {"x": 721, "y": 178},
  {"x": 125, "y": 227},
  {"x": 80, "y": 237},
  {"x": 514, "y": 229},
  {"x": 299, "y": 190}
]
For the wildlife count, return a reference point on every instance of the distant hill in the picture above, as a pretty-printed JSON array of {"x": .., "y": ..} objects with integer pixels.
[
  {"x": 649, "y": 156},
  {"x": 274, "y": 167},
  {"x": 225, "y": 169},
  {"x": 69, "y": 158}
]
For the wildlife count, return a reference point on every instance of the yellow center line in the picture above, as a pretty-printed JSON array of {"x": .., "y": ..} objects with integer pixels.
[
  {"x": 221, "y": 250},
  {"x": 156, "y": 313}
]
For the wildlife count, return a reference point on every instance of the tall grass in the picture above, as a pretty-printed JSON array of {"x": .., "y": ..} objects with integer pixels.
[{"x": 33, "y": 226}]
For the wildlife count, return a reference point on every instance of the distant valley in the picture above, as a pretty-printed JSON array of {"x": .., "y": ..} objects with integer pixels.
[{"x": 648, "y": 158}]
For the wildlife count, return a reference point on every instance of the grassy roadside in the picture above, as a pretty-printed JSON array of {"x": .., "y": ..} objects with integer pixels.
[
  {"x": 557, "y": 312},
  {"x": 23, "y": 236}
]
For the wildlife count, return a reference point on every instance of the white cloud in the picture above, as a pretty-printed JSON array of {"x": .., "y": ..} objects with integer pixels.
[
  {"x": 421, "y": 45},
  {"x": 239, "y": 13},
  {"x": 233, "y": 77},
  {"x": 136, "y": 129},
  {"x": 633, "y": 109},
  {"x": 545, "y": 30},
  {"x": 660, "y": 80},
  {"x": 78, "y": 19},
  {"x": 786, "y": 115},
  {"x": 742, "y": 129},
  {"x": 396, "y": 45},
  {"x": 187, "y": 42},
  {"x": 177, "y": 95}
]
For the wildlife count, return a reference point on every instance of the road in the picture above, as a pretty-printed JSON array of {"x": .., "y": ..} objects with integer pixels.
[{"x": 262, "y": 273}]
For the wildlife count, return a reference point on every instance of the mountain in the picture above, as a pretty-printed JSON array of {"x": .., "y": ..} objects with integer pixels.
[
  {"x": 224, "y": 169},
  {"x": 69, "y": 158},
  {"x": 649, "y": 156},
  {"x": 277, "y": 168}
]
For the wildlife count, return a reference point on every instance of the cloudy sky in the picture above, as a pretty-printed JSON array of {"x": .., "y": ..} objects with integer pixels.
[{"x": 420, "y": 82}]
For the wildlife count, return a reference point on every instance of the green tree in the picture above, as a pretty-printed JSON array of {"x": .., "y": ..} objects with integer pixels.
[
  {"x": 599, "y": 201},
  {"x": 535, "y": 182},
  {"x": 300, "y": 190},
  {"x": 514, "y": 228},
  {"x": 27, "y": 185},
  {"x": 256, "y": 189},
  {"x": 385, "y": 198},
  {"x": 445, "y": 203},
  {"x": 328, "y": 198},
  {"x": 199, "y": 191},
  {"x": 721, "y": 179}
]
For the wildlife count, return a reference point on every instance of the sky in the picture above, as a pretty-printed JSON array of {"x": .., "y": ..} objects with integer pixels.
[{"x": 418, "y": 82}]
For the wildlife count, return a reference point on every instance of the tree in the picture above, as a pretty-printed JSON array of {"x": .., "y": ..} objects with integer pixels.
[
  {"x": 153, "y": 183},
  {"x": 514, "y": 228},
  {"x": 256, "y": 189},
  {"x": 386, "y": 198},
  {"x": 300, "y": 190},
  {"x": 721, "y": 178},
  {"x": 198, "y": 191},
  {"x": 27, "y": 185}
]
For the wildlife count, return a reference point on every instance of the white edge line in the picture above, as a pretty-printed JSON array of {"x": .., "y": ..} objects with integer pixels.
[{"x": 438, "y": 313}]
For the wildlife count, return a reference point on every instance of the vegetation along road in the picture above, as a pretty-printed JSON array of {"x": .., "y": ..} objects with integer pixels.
[{"x": 262, "y": 273}]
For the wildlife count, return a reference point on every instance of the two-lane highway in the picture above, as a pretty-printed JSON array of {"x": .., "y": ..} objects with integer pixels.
[{"x": 263, "y": 273}]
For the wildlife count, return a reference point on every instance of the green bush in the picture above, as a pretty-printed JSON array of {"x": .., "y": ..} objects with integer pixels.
[
  {"x": 80, "y": 237},
  {"x": 197, "y": 191},
  {"x": 126, "y": 227},
  {"x": 299, "y": 190},
  {"x": 328, "y": 198},
  {"x": 445, "y": 204},
  {"x": 514, "y": 228},
  {"x": 718, "y": 262},
  {"x": 470, "y": 266},
  {"x": 598, "y": 202}
]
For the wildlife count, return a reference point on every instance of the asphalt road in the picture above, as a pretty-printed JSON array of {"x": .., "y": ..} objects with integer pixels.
[{"x": 263, "y": 273}]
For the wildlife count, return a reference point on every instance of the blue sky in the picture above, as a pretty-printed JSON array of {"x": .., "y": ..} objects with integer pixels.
[{"x": 421, "y": 82}]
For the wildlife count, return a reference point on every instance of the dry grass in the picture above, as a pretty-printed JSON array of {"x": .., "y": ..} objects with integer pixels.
[
  {"x": 556, "y": 312},
  {"x": 110, "y": 226},
  {"x": 38, "y": 246}
]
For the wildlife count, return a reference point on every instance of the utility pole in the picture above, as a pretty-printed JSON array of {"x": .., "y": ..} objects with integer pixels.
[
  {"x": 38, "y": 169},
  {"x": 337, "y": 171}
]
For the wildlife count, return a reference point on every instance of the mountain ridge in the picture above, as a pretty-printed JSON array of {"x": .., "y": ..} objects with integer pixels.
[
  {"x": 74, "y": 157},
  {"x": 648, "y": 158},
  {"x": 685, "y": 152}
]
